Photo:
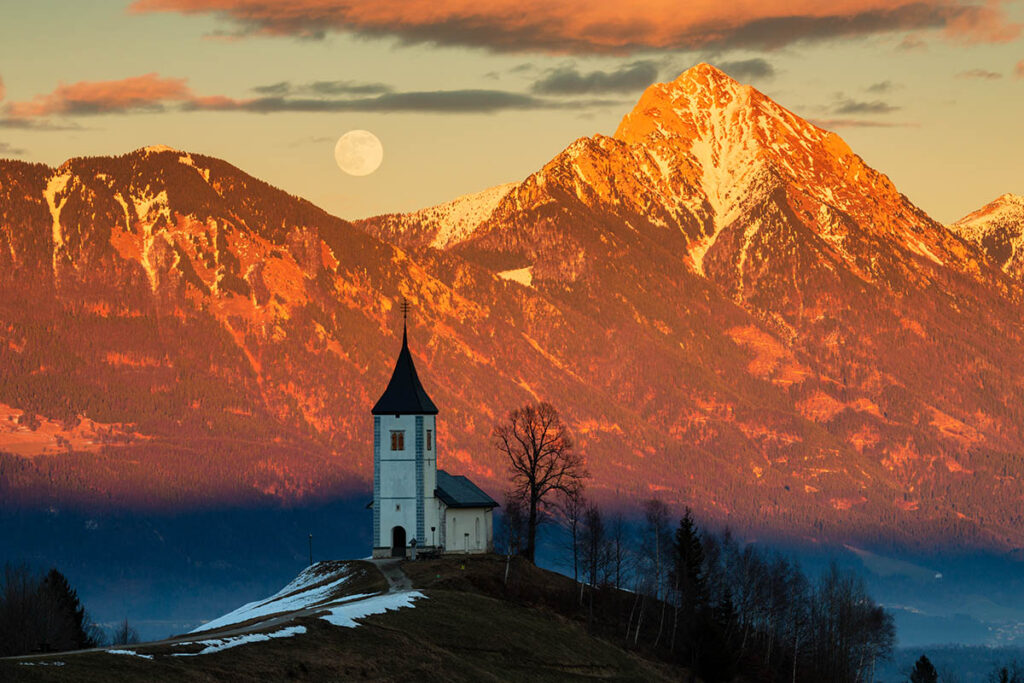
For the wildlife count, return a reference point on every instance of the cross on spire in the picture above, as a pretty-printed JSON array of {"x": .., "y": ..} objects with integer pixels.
[{"x": 405, "y": 312}]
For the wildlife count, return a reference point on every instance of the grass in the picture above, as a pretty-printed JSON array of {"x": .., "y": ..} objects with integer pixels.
[{"x": 466, "y": 629}]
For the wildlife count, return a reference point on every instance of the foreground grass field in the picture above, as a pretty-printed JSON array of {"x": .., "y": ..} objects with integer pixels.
[{"x": 470, "y": 625}]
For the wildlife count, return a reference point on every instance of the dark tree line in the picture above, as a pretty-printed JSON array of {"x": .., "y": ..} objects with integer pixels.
[
  {"x": 708, "y": 602},
  {"x": 720, "y": 608},
  {"x": 924, "y": 671},
  {"x": 41, "y": 613}
]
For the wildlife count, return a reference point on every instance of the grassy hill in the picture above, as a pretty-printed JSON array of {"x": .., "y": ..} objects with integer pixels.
[{"x": 464, "y": 623}]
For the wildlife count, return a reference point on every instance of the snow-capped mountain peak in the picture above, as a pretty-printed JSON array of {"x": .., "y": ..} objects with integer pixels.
[
  {"x": 443, "y": 225},
  {"x": 725, "y": 133},
  {"x": 998, "y": 229},
  {"x": 706, "y": 158}
]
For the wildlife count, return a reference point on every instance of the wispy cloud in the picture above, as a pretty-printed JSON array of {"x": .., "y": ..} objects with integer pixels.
[
  {"x": 7, "y": 150},
  {"x": 148, "y": 92},
  {"x": 859, "y": 123},
  {"x": 881, "y": 86},
  {"x": 36, "y": 124},
  {"x": 329, "y": 88},
  {"x": 1019, "y": 70},
  {"x": 152, "y": 93},
  {"x": 980, "y": 74},
  {"x": 912, "y": 43},
  {"x": 748, "y": 69},
  {"x": 849, "y": 106},
  {"x": 566, "y": 80},
  {"x": 431, "y": 101},
  {"x": 589, "y": 26},
  {"x": 312, "y": 140}
]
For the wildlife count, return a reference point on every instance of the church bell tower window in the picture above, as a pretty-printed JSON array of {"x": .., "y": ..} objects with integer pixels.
[
  {"x": 430, "y": 440},
  {"x": 398, "y": 440}
]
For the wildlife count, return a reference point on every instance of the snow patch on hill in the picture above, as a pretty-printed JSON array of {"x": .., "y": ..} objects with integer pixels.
[
  {"x": 157, "y": 149},
  {"x": 55, "y": 186},
  {"x": 145, "y": 203},
  {"x": 221, "y": 644},
  {"x": 187, "y": 160},
  {"x": 523, "y": 276},
  {"x": 319, "y": 591},
  {"x": 347, "y": 613},
  {"x": 306, "y": 590},
  {"x": 133, "y": 653}
]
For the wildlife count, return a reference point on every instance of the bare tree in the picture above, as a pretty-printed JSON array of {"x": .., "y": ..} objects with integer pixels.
[
  {"x": 124, "y": 634},
  {"x": 514, "y": 529},
  {"x": 658, "y": 541},
  {"x": 541, "y": 462},
  {"x": 595, "y": 547},
  {"x": 1007, "y": 674},
  {"x": 572, "y": 509},
  {"x": 618, "y": 549}
]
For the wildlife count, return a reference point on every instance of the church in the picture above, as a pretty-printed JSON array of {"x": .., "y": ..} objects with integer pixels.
[{"x": 417, "y": 507}]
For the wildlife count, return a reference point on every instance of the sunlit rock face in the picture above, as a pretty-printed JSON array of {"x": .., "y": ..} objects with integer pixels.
[
  {"x": 997, "y": 229},
  {"x": 730, "y": 309}
]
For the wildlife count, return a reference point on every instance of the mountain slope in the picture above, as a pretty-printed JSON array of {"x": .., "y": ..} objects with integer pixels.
[
  {"x": 731, "y": 310},
  {"x": 439, "y": 226},
  {"x": 997, "y": 229}
]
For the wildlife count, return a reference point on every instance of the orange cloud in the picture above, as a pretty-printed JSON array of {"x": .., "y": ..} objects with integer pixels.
[
  {"x": 603, "y": 25},
  {"x": 147, "y": 92},
  {"x": 985, "y": 24},
  {"x": 1020, "y": 69},
  {"x": 151, "y": 93}
]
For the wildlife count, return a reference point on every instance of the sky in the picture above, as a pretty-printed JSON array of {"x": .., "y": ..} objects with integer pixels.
[{"x": 468, "y": 94}]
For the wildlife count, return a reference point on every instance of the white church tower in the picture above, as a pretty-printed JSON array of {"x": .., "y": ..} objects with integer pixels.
[
  {"x": 404, "y": 463},
  {"x": 414, "y": 503}
]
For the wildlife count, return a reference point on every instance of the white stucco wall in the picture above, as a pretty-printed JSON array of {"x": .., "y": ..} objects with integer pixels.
[
  {"x": 476, "y": 522},
  {"x": 397, "y": 471}
]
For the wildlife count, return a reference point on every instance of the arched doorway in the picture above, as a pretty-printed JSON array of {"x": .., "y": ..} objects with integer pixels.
[{"x": 398, "y": 541}]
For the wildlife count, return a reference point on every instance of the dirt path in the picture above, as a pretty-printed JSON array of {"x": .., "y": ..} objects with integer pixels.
[{"x": 392, "y": 571}]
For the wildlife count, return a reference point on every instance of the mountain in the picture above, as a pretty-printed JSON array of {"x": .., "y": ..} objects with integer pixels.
[
  {"x": 731, "y": 310},
  {"x": 719, "y": 222},
  {"x": 997, "y": 229}
]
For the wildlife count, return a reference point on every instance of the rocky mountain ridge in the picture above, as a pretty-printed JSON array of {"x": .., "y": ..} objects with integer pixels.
[{"x": 997, "y": 229}]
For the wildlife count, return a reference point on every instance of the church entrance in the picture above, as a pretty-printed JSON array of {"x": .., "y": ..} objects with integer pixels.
[{"x": 398, "y": 542}]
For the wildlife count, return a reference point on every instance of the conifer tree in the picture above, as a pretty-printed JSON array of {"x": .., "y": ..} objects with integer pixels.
[{"x": 924, "y": 671}]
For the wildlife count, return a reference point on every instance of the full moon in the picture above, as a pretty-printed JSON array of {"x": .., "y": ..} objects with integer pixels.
[{"x": 358, "y": 152}]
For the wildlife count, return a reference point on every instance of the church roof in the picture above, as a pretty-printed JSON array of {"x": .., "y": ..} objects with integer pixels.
[
  {"x": 460, "y": 492},
  {"x": 404, "y": 394}
]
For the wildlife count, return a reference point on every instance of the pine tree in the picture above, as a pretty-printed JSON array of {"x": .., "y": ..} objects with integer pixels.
[
  {"x": 688, "y": 581},
  {"x": 69, "y": 622},
  {"x": 924, "y": 672},
  {"x": 40, "y": 614}
]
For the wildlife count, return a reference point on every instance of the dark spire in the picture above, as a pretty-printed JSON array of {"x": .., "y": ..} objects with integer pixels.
[{"x": 404, "y": 394}]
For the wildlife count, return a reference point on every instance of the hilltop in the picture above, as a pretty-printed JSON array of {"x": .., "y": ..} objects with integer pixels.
[{"x": 457, "y": 622}]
